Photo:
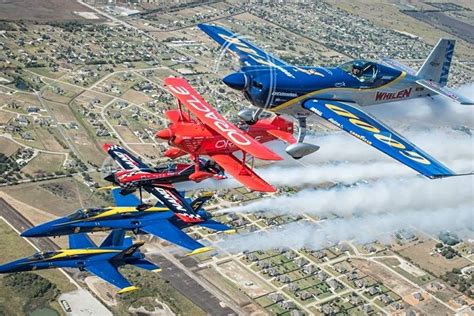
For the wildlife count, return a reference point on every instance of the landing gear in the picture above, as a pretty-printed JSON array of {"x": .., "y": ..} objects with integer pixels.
[
  {"x": 300, "y": 149},
  {"x": 142, "y": 206}
]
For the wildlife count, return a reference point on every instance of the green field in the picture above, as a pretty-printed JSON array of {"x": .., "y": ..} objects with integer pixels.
[{"x": 12, "y": 302}]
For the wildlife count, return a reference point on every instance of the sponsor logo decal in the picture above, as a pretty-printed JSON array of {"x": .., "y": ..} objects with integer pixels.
[
  {"x": 382, "y": 96},
  {"x": 232, "y": 133}
]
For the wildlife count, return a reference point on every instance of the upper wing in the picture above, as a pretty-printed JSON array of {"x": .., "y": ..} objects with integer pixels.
[
  {"x": 445, "y": 91},
  {"x": 165, "y": 230},
  {"x": 181, "y": 89},
  {"x": 242, "y": 173},
  {"x": 171, "y": 198},
  {"x": 124, "y": 200},
  {"x": 123, "y": 158},
  {"x": 106, "y": 271},
  {"x": 368, "y": 129},
  {"x": 77, "y": 241},
  {"x": 248, "y": 53}
]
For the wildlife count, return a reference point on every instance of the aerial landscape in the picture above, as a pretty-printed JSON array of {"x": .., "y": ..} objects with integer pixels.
[{"x": 236, "y": 157}]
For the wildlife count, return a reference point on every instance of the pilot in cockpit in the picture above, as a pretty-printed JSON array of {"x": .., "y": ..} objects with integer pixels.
[{"x": 357, "y": 69}]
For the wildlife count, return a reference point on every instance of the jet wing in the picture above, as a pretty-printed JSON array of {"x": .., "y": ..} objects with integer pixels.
[
  {"x": 167, "y": 231},
  {"x": 170, "y": 197},
  {"x": 444, "y": 91},
  {"x": 242, "y": 173},
  {"x": 248, "y": 53},
  {"x": 124, "y": 158},
  {"x": 181, "y": 89},
  {"x": 368, "y": 129},
  {"x": 108, "y": 272}
]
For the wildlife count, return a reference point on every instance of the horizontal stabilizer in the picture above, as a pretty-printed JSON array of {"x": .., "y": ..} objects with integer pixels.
[
  {"x": 125, "y": 200},
  {"x": 242, "y": 173},
  {"x": 80, "y": 241},
  {"x": 215, "y": 225},
  {"x": 167, "y": 231},
  {"x": 445, "y": 91},
  {"x": 145, "y": 264},
  {"x": 108, "y": 272}
]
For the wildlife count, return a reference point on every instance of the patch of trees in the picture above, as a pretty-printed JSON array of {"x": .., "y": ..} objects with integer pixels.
[
  {"x": 36, "y": 291},
  {"x": 460, "y": 281}
]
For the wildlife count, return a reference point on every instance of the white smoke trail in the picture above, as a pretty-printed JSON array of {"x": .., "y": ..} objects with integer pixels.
[
  {"x": 361, "y": 229},
  {"x": 389, "y": 195}
]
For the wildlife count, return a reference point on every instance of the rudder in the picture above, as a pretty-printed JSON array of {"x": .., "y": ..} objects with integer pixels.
[{"x": 436, "y": 66}]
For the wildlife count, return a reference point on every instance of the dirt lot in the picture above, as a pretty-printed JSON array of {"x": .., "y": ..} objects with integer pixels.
[
  {"x": 244, "y": 280},
  {"x": 57, "y": 197},
  {"x": 44, "y": 163},
  {"x": 8, "y": 147},
  {"x": 436, "y": 264},
  {"x": 44, "y": 10}
]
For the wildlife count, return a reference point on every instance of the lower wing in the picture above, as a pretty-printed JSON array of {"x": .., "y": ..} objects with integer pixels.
[
  {"x": 445, "y": 91},
  {"x": 363, "y": 126},
  {"x": 242, "y": 173},
  {"x": 167, "y": 231},
  {"x": 108, "y": 272}
]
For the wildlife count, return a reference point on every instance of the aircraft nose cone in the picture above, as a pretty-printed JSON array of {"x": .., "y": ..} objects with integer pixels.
[
  {"x": 33, "y": 232},
  {"x": 236, "y": 80},
  {"x": 164, "y": 134}
]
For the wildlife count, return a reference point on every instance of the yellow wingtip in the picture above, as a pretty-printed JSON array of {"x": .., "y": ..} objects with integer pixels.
[
  {"x": 128, "y": 289},
  {"x": 157, "y": 270},
  {"x": 200, "y": 250},
  {"x": 230, "y": 231},
  {"x": 108, "y": 187}
]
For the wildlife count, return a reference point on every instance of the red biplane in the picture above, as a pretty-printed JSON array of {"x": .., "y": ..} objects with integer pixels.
[{"x": 212, "y": 135}]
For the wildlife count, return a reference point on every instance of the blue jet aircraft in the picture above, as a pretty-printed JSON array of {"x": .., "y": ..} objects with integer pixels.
[
  {"x": 337, "y": 94},
  {"x": 127, "y": 215},
  {"x": 115, "y": 251}
]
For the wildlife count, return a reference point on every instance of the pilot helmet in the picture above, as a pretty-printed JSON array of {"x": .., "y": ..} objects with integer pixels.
[{"x": 358, "y": 64}]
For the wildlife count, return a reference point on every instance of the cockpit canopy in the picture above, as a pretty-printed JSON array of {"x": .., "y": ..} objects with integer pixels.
[
  {"x": 368, "y": 73},
  {"x": 86, "y": 213},
  {"x": 43, "y": 255}
]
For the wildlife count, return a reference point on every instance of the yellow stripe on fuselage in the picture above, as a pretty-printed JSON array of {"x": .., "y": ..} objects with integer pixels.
[
  {"x": 122, "y": 210},
  {"x": 65, "y": 253},
  {"x": 308, "y": 95}
]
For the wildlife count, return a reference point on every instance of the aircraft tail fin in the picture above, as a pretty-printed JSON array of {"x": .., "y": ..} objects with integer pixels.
[
  {"x": 129, "y": 251},
  {"x": 201, "y": 200},
  {"x": 436, "y": 66},
  {"x": 116, "y": 238}
]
